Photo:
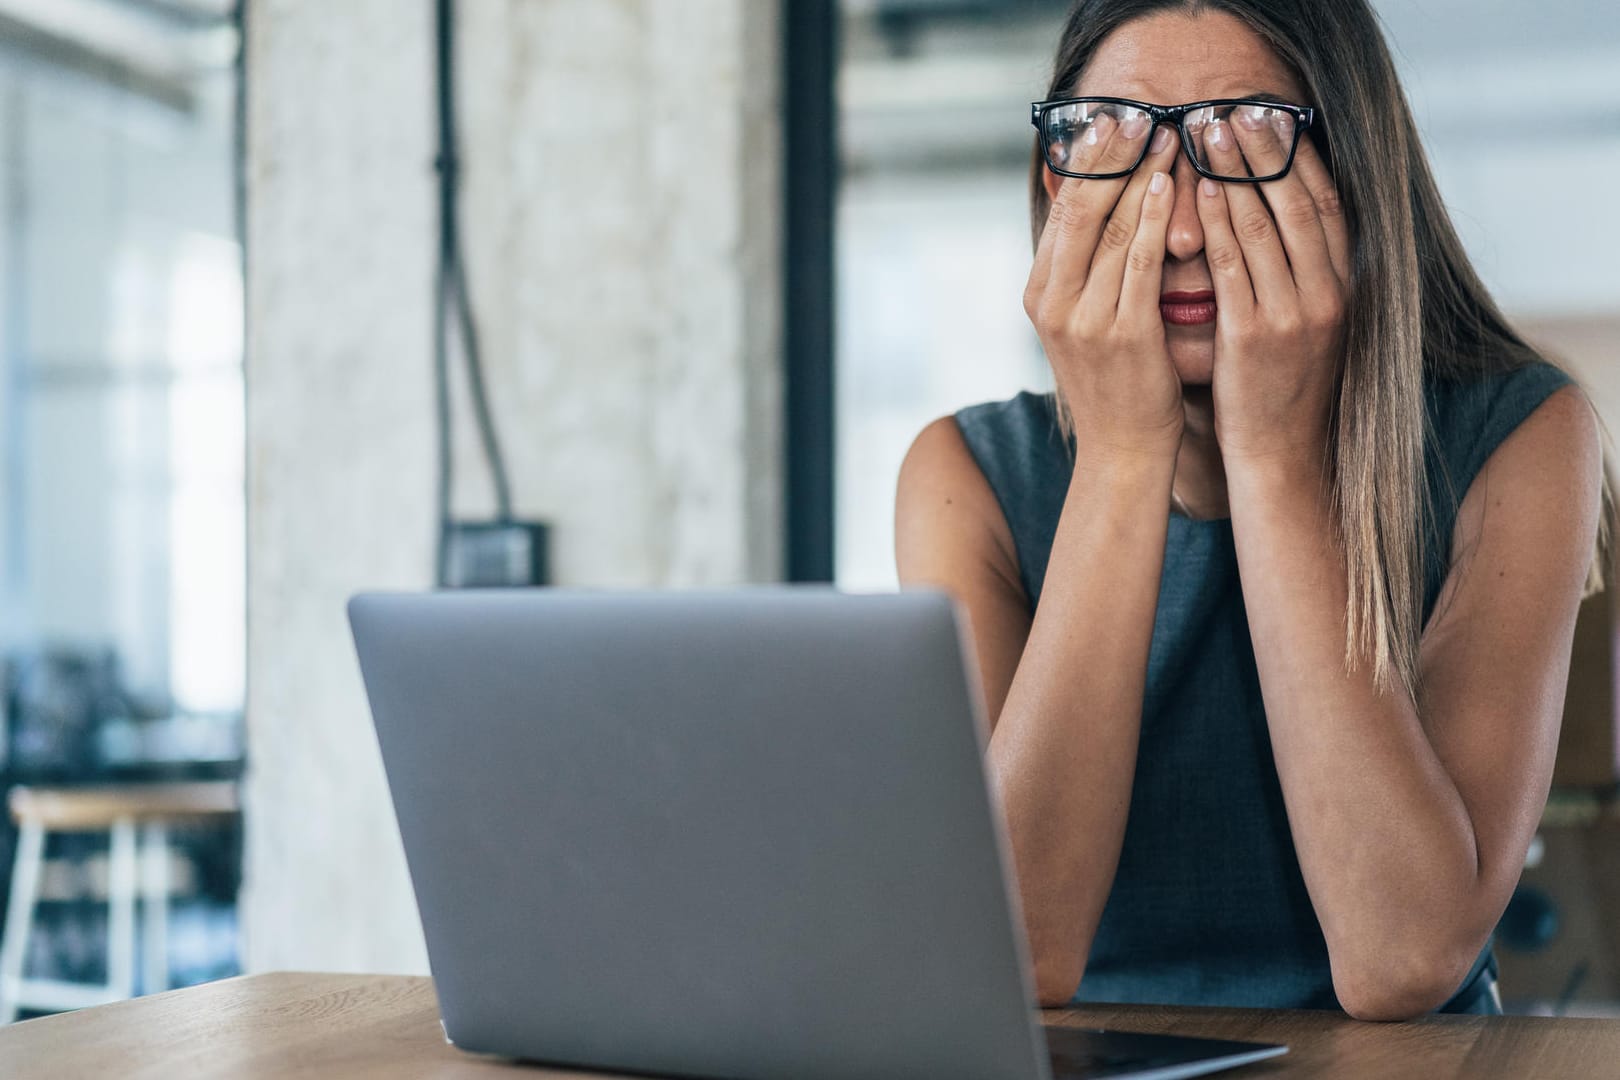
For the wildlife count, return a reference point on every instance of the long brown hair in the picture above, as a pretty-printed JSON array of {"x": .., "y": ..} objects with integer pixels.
[{"x": 1417, "y": 306}]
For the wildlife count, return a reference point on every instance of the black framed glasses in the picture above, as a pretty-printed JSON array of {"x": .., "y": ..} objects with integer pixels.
[{"x": 1235, "y": 140}]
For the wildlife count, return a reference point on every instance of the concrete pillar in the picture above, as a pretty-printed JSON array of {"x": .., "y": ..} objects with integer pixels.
[{"x": 622, "y": 173}]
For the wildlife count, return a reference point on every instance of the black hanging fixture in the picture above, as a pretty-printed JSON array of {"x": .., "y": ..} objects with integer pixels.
[{"x": 502, "y": 551}]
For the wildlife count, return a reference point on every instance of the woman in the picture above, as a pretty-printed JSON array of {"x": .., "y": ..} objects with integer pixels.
[{"x": 1273, "y": 602}]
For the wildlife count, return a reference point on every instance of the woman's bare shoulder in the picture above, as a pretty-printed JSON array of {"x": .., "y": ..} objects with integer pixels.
[
  {"x": 1537, "y": 501},
  {"x": 950, "y": 533},
  {"x": 1557, "y": 447},
  {"x": 947, "y": 518}
]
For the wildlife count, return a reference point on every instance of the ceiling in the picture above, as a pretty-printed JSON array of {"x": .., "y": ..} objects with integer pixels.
[{"x": 150, "y": 48}]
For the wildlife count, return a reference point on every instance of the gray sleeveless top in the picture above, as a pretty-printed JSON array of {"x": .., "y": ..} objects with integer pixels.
[{"x": 1208, "y": 905}]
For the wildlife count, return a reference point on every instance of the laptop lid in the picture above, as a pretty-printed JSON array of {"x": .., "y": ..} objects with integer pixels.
[{"x": 737, "y": 832}]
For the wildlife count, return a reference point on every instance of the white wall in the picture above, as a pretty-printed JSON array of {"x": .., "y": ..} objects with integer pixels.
[{"x": 628, "y": 303}]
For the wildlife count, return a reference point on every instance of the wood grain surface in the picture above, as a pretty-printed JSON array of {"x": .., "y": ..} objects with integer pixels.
[{"x": 285, "y": 1026}]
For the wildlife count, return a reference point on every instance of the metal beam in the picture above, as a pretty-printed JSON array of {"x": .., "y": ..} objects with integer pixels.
[{"x": 810, "y": 167}]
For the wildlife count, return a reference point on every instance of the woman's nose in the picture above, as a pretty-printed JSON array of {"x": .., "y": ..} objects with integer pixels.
[{"x": 1186, "y": 236}]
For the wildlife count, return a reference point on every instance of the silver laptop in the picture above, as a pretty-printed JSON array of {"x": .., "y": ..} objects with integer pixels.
[{"x": 739, "y": 833}]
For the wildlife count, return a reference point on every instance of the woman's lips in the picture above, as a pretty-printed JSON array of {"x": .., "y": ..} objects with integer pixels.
[{"x": 1188, "y": 308}]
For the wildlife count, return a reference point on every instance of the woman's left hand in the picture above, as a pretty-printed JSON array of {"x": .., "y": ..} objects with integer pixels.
[{"x": 1281, "y": 269}]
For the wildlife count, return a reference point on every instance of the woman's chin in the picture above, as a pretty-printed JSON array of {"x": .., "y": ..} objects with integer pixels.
[{"x": 1194, "y": 362}]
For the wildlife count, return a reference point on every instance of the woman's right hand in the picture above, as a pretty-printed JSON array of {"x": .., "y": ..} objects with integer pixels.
[{"x": 1093, "y": 296}]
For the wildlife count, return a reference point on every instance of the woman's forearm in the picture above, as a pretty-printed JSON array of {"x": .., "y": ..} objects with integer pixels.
[
  {"x": 1385, "y": 842},
  {"x": 1064, "y": 747}
]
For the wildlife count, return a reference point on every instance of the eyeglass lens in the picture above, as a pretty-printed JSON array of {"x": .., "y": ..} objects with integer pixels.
[{"x": 1234, "y": 142}]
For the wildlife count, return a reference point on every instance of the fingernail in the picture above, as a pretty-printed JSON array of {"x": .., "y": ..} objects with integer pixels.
[
  {"x": 1217, "y": 134},
  {"x": 1091, "y": 135},
  {"x": 1161, "y": 140},
  {"x": 1208, "y": 188},
  {"x": 1156, "y": 184}
]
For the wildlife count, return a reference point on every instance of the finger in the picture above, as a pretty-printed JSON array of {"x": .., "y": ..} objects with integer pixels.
[
  {"x": 1256, "y": 232},
  {"x": 1234, "y": 290},
  {"x": 1065, "y": 222},
  {"x": 1259, "y": 142},
  {"x": 1097, "y": 136},
  {"x": 1041, "y": 269},
  {"x": 1264, "y": 137},
  {"x": 1089, "y": 152},
  {"x": 1144, "y": 265},
  {"x": 1084, "y": 205},
  {"x": 1113, "y": 247},
  {"x": 1063, "y": 218},
  {"x": 1313, "y": 173}
]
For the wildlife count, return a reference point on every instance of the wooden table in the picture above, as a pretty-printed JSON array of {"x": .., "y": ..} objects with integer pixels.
[{"x": 372, "y": 1026}]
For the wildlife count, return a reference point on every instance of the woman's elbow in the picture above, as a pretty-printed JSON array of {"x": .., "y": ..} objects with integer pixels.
[
  {"x": 1056, "y": 982},
  {"x": 1400, "y": 989}
]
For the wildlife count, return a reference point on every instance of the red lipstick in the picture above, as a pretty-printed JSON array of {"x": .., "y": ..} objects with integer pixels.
[{"x": 1188, "y": 308}]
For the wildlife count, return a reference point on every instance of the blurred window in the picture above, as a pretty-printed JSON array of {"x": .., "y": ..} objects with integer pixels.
[{"x": 121, "y": 418}]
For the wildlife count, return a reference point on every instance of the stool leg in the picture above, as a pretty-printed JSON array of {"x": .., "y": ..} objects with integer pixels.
[
  {"x": 154, "y": 907},
  {"x": 121, "y": 910},
  {"x": 20, "y": 915}
]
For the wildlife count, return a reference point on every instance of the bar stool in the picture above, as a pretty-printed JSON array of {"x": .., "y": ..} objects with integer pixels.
[{"x": 136, "y": 819}]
